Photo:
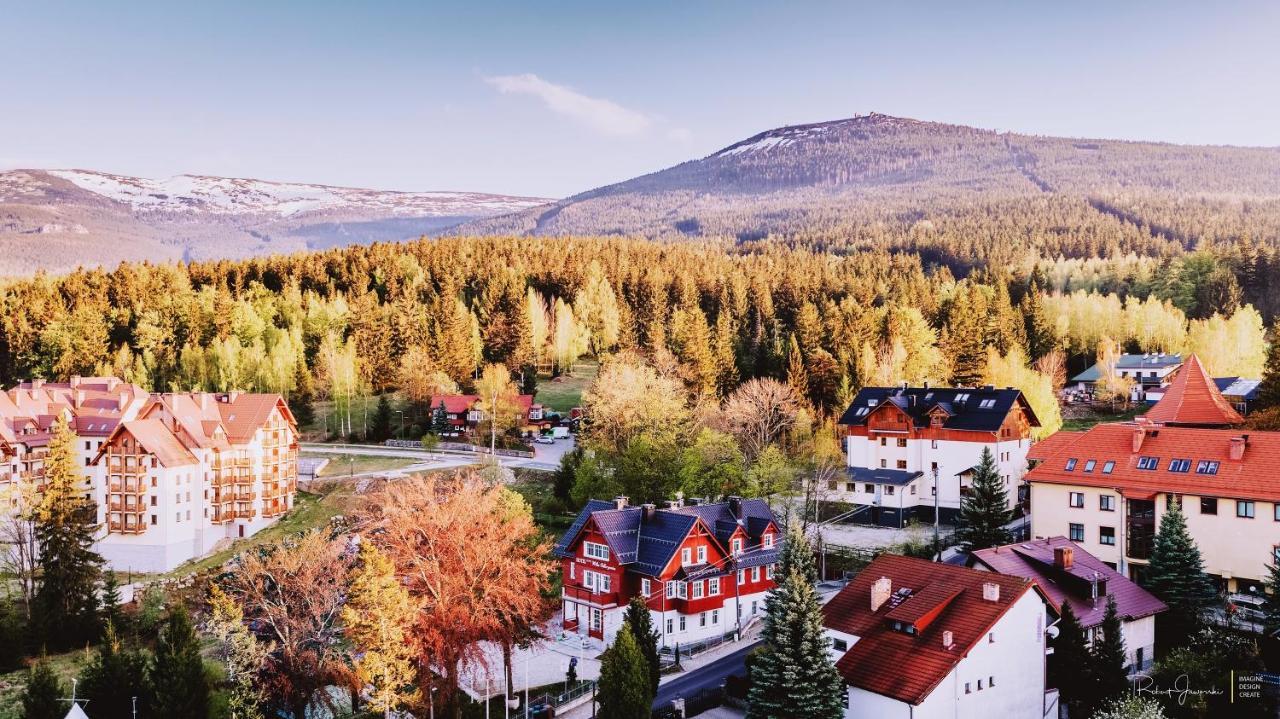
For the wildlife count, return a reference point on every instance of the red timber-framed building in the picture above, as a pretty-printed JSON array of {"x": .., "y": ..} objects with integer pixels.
[{"x": 703, "y": 569}]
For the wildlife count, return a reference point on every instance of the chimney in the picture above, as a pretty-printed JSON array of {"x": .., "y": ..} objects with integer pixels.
[
  {"x": 650, "y": 511},
  {"x": 926, "y": 384},
  {"x": 880, "y": 592},
  {"x": 1237, "y": 446},
  {"x": 1139, "y": 434},
  {"x": 1064, "y": 557},
  {"x": 735, "y": 505},
  {"x": 204, "y": 401},
  {"x": 948, "y": 639},
  {"x": 75, "y": 381},
  {"x": 620, "y": 502},
  {"x": 77, "y": 398},
  {"x": 991, "y": 591}
]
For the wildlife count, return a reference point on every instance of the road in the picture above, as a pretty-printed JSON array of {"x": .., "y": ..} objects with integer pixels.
[
  {"x": 546, "y": 457},
  {"x": 704, "y": 677}
]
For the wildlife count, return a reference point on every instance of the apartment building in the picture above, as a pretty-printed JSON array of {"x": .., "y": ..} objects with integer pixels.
[{"x": 904, "y": 444}]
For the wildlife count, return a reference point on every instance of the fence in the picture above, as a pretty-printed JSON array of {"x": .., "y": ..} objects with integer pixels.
[
  {"x": 459, "y": 447},
  {"x": 584, "y": 687}
]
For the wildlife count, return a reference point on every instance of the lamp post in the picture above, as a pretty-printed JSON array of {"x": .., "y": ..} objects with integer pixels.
[
  {"x": 401, "y": 413},
  {"x": 937, "y": 549}
]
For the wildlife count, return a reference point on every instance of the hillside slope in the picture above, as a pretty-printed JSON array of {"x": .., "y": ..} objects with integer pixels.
[
  {"x": 58, "y": 219},
  {"x": 883, "y": 174}
]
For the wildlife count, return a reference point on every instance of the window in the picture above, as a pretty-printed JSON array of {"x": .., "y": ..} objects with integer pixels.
[
  {"x": 849, "y": 486},
  {"x": 884, "y": 463},
  {"x": 862, "y": 412},
  {"x": 671, "y": 625},
  {"x": 682, "y": 592},
  {"x": 713, "y": 587},
  {"x": 1090, "y": 464},
  {"x": 571, "y": 569},
  {"x": 1075, "y": 499},
  {"x": 768, "y": 540},
  {"x": 962, "y": 397},
  {"x": 1148, "y": 462},
  {"x": 979, "y": 685},
  {"x": 870, "y": 488},
  {"x": 646, "y": 587},
  {"x": 991, "y": 681},
  {"x": 884, "y": 441},
  {"x": 1107, "y": 536},
  {"x": 755, "y": 574},
  {"x": 967, "y": 690},
  {"x": 991, "y": 638},
  {"x": 840, "y": 645},
  {"x": 715, "y": 616},
  {"x": 872, "y": 402},
  {"x": 686, "y": 557},
  {"x": 682, "y": 622},
  {"x": 987, "y": 404},
  {"x": 671, "y": 592},
  {"x": 902, "y": 464},
  {"x": 1205, "y": 466},
  {"x": 742, "y": 576},
  {"x": 1108, "y": 466},
  {"x": 737, "y": 544},
  {"x": 1208, "y": 505},
  {"x": 1244, "y": 508},
  {"x": 1107, "y": 502},
  {"x": 1076, "y": 532},
  {"x": 902, "y": 441},
  {"x": 702, "y": 554},
  {"x": 596, "y": 551},
  {"x": 1071, "y": 464},
  {"x": 768, "y": 571},
  {"x": 1179, "y": 465},
  {"x": 702, "y": 619},
  {"x": 1276, "y": 511},
  {"x": 697, "y": 590}
]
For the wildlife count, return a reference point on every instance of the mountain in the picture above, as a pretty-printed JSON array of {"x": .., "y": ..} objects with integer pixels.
[
  {"x": 850, "y": 177},
  {"x": 58, "y": 219}
]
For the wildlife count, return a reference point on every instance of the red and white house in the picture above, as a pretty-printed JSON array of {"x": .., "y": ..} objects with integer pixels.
[
  {"x": 463, "y": 411},
  {"x": 703, "y": 569}
]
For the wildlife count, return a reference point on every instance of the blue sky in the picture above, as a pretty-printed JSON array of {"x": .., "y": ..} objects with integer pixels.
[{"x": 552, "y": 98}]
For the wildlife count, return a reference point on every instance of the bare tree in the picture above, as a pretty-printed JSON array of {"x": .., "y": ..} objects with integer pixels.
[
  {"x": 759, "y": 412},
  {"x": 18, "y": 555}
]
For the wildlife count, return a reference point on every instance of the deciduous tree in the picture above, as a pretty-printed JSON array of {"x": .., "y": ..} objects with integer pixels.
[{"x": 376, "y": 615}]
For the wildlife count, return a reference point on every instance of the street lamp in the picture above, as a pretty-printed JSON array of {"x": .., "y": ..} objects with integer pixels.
[{"x": 401, "y": 413}]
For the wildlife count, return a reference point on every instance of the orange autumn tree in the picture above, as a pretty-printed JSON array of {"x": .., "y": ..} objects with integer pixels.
[{"x": 477, "y": 570}]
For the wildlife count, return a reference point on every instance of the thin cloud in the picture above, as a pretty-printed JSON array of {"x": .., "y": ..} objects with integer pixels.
[{"x": 604, "y": 116}]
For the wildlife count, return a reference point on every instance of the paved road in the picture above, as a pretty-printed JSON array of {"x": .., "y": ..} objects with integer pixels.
[
  {"x": 546, "y": 457},
  {"x": 705, "y": 677}
]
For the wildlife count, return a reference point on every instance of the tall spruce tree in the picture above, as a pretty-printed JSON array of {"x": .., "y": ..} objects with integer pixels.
[
  {"x": 1041, "y": 337},
  {"x": 793, "y": 676},
  {"x": 1272, "y": 598},
  {"x": 797, "y": 376},
  {"x": 984, "y": 512},
  {"x": 1069, "y": 663},
  {"x": 381, "y": 429},
  {"x": 42, "y": 698},
  {"x": 623, "y": 689},
  {"x": 114, "y": 678},
  {"x": 66, "y": 603},
  {"x": 640, "y": 621},
  {"x": 111, "y": 611},
  {"x": 1176, "y": 575},
  {"x": 439, "y": 420},
  {"x": 1107, "y": 658},
  {"x": 1269, "y": 390},
  {"x": 176, "y": 672},
  {"x": 967, "y": 334}
]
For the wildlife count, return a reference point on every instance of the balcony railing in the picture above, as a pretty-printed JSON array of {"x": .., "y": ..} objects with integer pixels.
[{"x": 590, "y": 596}]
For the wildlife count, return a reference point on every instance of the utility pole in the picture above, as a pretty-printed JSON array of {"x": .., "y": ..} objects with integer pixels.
[{"x": 937, "y": 550}]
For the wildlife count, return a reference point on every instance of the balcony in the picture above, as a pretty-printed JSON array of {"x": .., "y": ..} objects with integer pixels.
[
  {"x": 590, "y": 596},
  {"x": 1140, "y": 530},
  {"x": 133, "y": 488},
  {"x": 127, "y": 524},
  {"x": 245, "y": 513}
]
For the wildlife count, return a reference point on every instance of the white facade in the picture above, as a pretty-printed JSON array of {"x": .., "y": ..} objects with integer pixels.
[
  {"x": 1002, "y": 677},
  {"x": 949, "y": 457}
]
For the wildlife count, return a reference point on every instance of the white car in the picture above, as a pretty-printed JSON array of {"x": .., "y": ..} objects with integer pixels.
[{"x": 545, "y": 440}]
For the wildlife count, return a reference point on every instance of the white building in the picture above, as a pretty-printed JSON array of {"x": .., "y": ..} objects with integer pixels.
[
  {"x": 915, "y": 639},
  {"x": 904, "y": 443}
]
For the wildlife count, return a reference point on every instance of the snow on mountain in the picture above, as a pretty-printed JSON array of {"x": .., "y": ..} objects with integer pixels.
[{"x": 224, "y": 195}]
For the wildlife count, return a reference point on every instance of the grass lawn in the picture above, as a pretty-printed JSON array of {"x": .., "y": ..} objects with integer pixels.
[
  {"x": 66, "y": 666},
  {"x": 343, "y": 465},
  {"x": 1087, "y": 418},
  {"x": 362, "y": 410},
  {"x": 566, "y": 393}
]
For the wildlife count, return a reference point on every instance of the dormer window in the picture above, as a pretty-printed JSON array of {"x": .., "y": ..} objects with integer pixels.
[
  {"x": 686, "y": 557},
  {"x": 737, "y": 545},
  {"x": 768, "y": 540},
  {"x": 872, "y": 402}
]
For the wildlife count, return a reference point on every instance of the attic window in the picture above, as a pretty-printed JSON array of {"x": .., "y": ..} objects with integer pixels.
[
  {"x": 1071, "y": 464},
  {"x": 962, "y": 397},
  {"x": 872, "y": 402},
  {"x": 1090, "y": 464},
  {"x": 987, "y": 404},
  {"x": 1108, "y": 466},
  {"x": 1148, "y": 462},
  {"x": 1207, "y": 467},
  {"x": 1179, "y": 465},
  {"x": 862, "y": 412}
]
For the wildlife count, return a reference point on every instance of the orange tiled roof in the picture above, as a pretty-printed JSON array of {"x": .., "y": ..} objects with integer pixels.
[
  {"x": 1193, "y": 399},
  {"x": 908, "y": 667},
  {"x": 159, "y": 440},
  {"x": 454, "y": 403},
  {"x": 1255, "y": 475},
  {"x": 1050, "y": 445}
]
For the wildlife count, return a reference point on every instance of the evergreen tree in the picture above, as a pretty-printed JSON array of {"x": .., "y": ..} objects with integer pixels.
[
  {"x": 43, "y": 696},
  {"x": 797, "y": 377},
  {"x": 640, "y": 621},
  {"x": 1041, "y": 338},
  {"x": 1269, "y": 390},
  {"x": 177, "y": 677},
  {"x": 623, "y": 689},
  {"x": 796, "y": 555},
  {"x": 793, "y": 677},
  {"x": 565, "y": 475},
  {"x": 1176, "y": 575},
  {"x": 1107, "y": 659},
  {"x": 984, "y": 512},
  {"x": 302, "y": 398},
  {"x": 240, "y": 652},
  {"x": 66, "y": 603},
  {"x": 967, "y": 333},
  {"x": 377, "y": 611},
  {"x": 1069, "y": 663},
  {"x": 380, "y": 430},
  {"x": 12, "y": 636},
  {"x": 440, "y": 420},
  {"x": 114, "y": 678},
  {"x": 529, "y": 380},
  {"x": 111, "y": 611},
  {"x": 1272, "y": 597}
]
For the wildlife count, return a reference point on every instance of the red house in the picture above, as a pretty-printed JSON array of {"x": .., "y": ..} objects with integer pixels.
[{"x": 703, "y": 569}]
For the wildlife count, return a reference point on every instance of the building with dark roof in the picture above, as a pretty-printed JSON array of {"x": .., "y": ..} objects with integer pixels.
[
  {"x": 703, "y": 569},
  {"x": 1108, "y": 487},
  {"x": 1067, "y": 574},
  {"x": 914, "y": 638},
  {"x": 904, "y": 444}
]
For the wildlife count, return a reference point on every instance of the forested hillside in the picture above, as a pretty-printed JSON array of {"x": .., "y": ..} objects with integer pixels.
[
  {"x": 957, "y": 194},
  {"x": 339, "y": 323}
]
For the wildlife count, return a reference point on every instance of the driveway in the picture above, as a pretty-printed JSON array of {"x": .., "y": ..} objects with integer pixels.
[
  {"x": 706, "y": 677},
  {"x": 547, "y": 456}
]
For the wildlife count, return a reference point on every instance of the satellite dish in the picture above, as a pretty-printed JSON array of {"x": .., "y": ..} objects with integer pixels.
[{"x": 1052, "y": 632}]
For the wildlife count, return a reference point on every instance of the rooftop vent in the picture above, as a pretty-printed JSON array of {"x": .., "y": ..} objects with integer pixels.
[
  {"x": 948, "y": 639},
  {"x": 991, "y": 591},
  {"x": 880, "y": 592}
]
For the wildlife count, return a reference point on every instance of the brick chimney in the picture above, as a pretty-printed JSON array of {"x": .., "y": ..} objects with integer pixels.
[
  {"x": 1139, "y": 434},
  {"x": 880, "y": 592},
  {"x": 620, "y": 502},
  {"x": 75, "y": 381},
  {"x": 948, "y": 639},
  {"x": 649, "y": 511},
  {"x": 991, "y": 591},
  {"x": 1237, "y": 446},
  {"x": 1063, "y": 557},
  {"x": 735, "y": 505}
]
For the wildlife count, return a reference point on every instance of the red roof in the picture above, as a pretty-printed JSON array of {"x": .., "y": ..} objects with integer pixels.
[
  {"x": 1255, "y": 475},
  {"x": 1193, "y": 399},
  {"x": 1034, "y": 560},
  {"x": 908, "y": 667},
  {"x": 454, "y": 403},
  {"x": 1047, "y": 447}
]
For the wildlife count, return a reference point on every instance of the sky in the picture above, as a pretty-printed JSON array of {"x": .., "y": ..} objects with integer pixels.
[{"x": 548, "y": 99}]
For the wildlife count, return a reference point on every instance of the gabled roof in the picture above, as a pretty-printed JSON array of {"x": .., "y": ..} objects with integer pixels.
[
  {"x": 1256, "y": 475},
  {"x": 908, "y": 667},
  {"x": 1246, "y": 389},
  {"x": 1047, "y": 447},
  {"x": 1193, "y": 399},
  {"x": 1034, "y": 560},
  {"x": 454, "y": 403},
  {"x": 158, "y": 440},
  {"x": 975, "y": 409},
  {"x": 1153, "y": 361}
]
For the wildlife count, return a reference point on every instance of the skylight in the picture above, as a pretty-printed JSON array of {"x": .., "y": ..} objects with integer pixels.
[{"x": 1148, "y": 462}]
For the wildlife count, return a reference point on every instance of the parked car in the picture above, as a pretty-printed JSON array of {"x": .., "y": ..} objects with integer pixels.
[
  {"x": 560, "y": 432},
  {"x": 544, "y": 439},
  {"x": 1249, "y": 607}
]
